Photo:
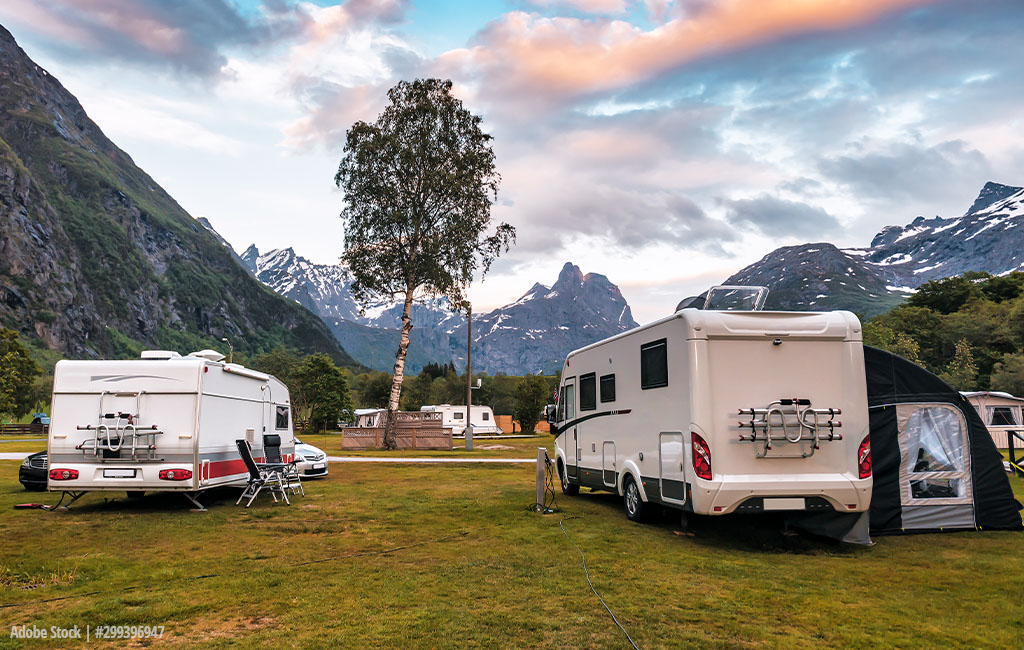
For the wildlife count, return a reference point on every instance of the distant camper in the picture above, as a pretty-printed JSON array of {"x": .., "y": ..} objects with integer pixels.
[
  {"x": 1001, "y": 413},
  {"x": 714, "y": 412},
  {"x": 369, "y": 418},
  {"x": 454, "y": 418},
  {"x": 164, "y": 423}
]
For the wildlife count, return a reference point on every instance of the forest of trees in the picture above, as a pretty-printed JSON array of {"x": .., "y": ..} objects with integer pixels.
[{"x": 969, "y": 330}]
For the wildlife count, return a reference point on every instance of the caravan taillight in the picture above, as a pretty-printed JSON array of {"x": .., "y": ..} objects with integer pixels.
[
  {"x": 864, "y": 457},
  {"x": 58, "y": 474},
  {"x": 701, "y": 457},
  {"x": 175, "y": 474}
]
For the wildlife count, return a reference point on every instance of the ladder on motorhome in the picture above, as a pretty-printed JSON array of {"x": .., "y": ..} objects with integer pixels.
[
  {"x": 118, "y": 432},
  {"x": 791, "y": 421}
]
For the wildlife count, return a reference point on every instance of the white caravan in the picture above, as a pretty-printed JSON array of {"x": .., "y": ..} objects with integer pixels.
[
  {"x": 714, "y": 412},
  {"x": 454, "y": 418},
  {"x": 162, "y": 423}
]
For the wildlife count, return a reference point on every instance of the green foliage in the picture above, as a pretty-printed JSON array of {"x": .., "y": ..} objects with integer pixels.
[
  {"x": 18, "y": 373},
  {"x": 1008, "y": 374},
  {"x": 959, "y": 328},
  {"x": 319, "y": 392},
  {"x": 280, "y": 363},
  {"x": 373, "y": 389},
  {"x": 532, "y": 393},
  {"x": 962, "y": 371}
]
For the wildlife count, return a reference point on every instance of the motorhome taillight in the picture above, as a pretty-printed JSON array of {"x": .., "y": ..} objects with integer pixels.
[
  {"x": 58, "y": 474},
  {"x": 175, "y": 474},
  {"x": 701, "y": 457},
  {"x": 864, "y": 457}
]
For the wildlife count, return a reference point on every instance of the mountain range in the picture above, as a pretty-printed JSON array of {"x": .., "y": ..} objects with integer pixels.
[
  {"x": 871, "y": 280},
  {"x": 532, "y": 334},
  {"x": 97, "y": 260}
]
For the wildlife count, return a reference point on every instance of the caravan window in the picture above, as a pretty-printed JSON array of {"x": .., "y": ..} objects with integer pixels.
[
  {"x": 588, "y": 392},
  {"x": 487, "y": 416},
  {"x": 654, "y": 364},
  {"x": 458, "y": 415},
  {"x": 608, "y": 388},
  {"x": 281, "y": 418},
  {"x": 935, "y": 456},
  {"x": 1002, "y": 416}
]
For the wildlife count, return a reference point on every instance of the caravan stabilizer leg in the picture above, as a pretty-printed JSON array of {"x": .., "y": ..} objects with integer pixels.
[
  {"x": 191, "y": 497},
  {"x": 75, "y": 496}
]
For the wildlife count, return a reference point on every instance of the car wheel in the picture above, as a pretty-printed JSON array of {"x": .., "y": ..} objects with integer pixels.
[
  {"x": 636, "y": 509},
  {"x": 567, "y": 488}
]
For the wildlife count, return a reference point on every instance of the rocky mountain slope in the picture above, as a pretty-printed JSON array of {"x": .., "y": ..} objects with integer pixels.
[
  {"x": 96, "y": 259},
  {"x": 870, "y": 280},
  {"x": 530, "y": 335}
]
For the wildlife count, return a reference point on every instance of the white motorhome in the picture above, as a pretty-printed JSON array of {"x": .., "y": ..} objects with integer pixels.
[
  {"x": 161, "y": 423},
  {"x": 714, "y": 412},
  {"x": 454, "y": 418}
]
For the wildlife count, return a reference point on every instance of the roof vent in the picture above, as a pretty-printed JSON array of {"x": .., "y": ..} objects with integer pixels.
[
  {"x": 159, "y": 355},
  {"x": 209, "y": 355}
]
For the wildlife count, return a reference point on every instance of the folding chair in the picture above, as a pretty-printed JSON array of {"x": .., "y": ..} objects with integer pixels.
[
  {"x": 259, "y": 478},
  {"x": 289, "y": 472}
]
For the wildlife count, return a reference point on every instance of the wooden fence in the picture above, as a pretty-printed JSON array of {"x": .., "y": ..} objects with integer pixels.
[
  {"x": 24, "y": 429},
  {"x": 508, "y": 425},
  {"x": 412, "y": 429}
]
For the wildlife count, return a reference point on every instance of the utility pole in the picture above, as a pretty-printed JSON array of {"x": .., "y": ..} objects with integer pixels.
[{"x": 469, "y": 375}]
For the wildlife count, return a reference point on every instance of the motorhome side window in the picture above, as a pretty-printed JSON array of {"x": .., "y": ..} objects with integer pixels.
[
  {"x": 608, "y": 388},
  {"x": 588, "y": 392},
  {"x": 654, "y": 364},
  {"x": 281, "y": 419},
  {"x": 570, "y": 401},
  {"x": 560, "y": 415}
]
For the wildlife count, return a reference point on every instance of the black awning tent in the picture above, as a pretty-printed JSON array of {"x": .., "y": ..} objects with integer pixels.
[{"x": 934, "y": 462}]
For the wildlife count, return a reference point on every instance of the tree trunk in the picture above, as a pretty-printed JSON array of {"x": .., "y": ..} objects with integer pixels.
[{"x": 399, "y": 372}]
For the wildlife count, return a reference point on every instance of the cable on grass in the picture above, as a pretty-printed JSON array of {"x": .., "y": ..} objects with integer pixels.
[{"x": 583, "y": 559}]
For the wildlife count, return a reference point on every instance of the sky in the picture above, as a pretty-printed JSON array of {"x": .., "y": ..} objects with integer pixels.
[{"x": 665, "y": 144}]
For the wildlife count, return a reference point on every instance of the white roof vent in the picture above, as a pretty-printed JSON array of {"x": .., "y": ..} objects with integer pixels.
[
  {"x": 209, "y": 355},
  {"x": 159, "y": 355}
]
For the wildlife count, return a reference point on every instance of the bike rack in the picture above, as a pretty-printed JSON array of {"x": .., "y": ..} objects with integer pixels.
[
  {"x": 125, "y": 430},
  {"x": 790, "y": 421}
]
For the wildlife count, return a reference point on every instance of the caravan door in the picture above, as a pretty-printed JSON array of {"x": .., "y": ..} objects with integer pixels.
[
  {"x": 566, "y": 415},
  {"x": 672, "y": 464}
]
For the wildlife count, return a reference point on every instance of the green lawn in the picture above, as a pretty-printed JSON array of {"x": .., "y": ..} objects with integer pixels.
[
  {"x": 482, "y": 448},
  {"x": 469, "y": 567}
]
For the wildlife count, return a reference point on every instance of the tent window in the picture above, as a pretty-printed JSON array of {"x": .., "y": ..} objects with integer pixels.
[
  {"x": 1002, "y": 416},
  {"x": 588, "y": 392},
  {"x": 935, "y": 457}
]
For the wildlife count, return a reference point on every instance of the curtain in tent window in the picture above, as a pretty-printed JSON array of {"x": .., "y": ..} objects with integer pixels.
[{"x": 935, "y": 465}]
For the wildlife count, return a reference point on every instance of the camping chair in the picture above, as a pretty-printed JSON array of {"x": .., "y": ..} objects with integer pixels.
[
  {"x": 290, "y": 479},
  {"x": 259, "y": 478}
]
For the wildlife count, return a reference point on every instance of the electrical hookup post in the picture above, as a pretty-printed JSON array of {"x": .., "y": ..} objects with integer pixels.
[{"x": 544, "y": 502}]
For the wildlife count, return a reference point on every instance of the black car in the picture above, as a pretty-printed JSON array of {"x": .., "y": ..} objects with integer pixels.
[{"x": 33, "y": 471}]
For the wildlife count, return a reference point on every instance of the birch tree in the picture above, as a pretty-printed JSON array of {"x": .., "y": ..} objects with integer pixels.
[{"x": 419, "y": 183}]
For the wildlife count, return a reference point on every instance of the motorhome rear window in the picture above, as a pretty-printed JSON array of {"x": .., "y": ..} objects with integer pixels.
[
  {"x": 281, "y": 421},
  {"x": 608, "y": 388},
  {"x": 588, "y": 392},
  {"x": 654, "y": 364}
]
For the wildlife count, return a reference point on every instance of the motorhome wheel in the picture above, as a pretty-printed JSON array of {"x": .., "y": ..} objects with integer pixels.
[
  {"x": 568, "y": 488},
  {"x": 636, "y": 509}
]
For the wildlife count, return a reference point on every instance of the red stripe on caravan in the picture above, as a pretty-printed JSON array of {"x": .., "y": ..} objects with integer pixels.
[{"x": 229, "y": 467}]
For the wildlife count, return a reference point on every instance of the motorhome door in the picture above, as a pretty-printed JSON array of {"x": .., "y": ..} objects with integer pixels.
[
  {"x": 567, "y": 414},
  {"x": 673, "y": 460}
]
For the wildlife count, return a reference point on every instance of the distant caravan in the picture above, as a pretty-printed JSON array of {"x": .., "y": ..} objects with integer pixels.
[
  {"x": 454, "y": 418},
  {"x": 715, "y": 412},
  {"x": 164, "y": 423}
]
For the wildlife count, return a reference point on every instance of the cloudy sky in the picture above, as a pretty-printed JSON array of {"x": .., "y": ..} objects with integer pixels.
[{"x": 665, "y": 144}]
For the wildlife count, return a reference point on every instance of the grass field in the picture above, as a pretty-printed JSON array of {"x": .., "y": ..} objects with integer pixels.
[{"x": 449, "y": 556}]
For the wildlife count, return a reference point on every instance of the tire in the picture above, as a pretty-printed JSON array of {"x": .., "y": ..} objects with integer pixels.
[
  {"x": 636, "y": 509},
  {"x": 568, "y": 488}
]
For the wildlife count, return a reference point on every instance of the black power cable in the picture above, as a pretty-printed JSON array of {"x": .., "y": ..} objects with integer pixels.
[
  {"x": 583, "y": 559},
  {"x": 549, "y": 489}
]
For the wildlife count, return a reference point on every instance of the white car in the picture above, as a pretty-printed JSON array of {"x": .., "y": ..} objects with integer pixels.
[{"x": 310, "y": 461}]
